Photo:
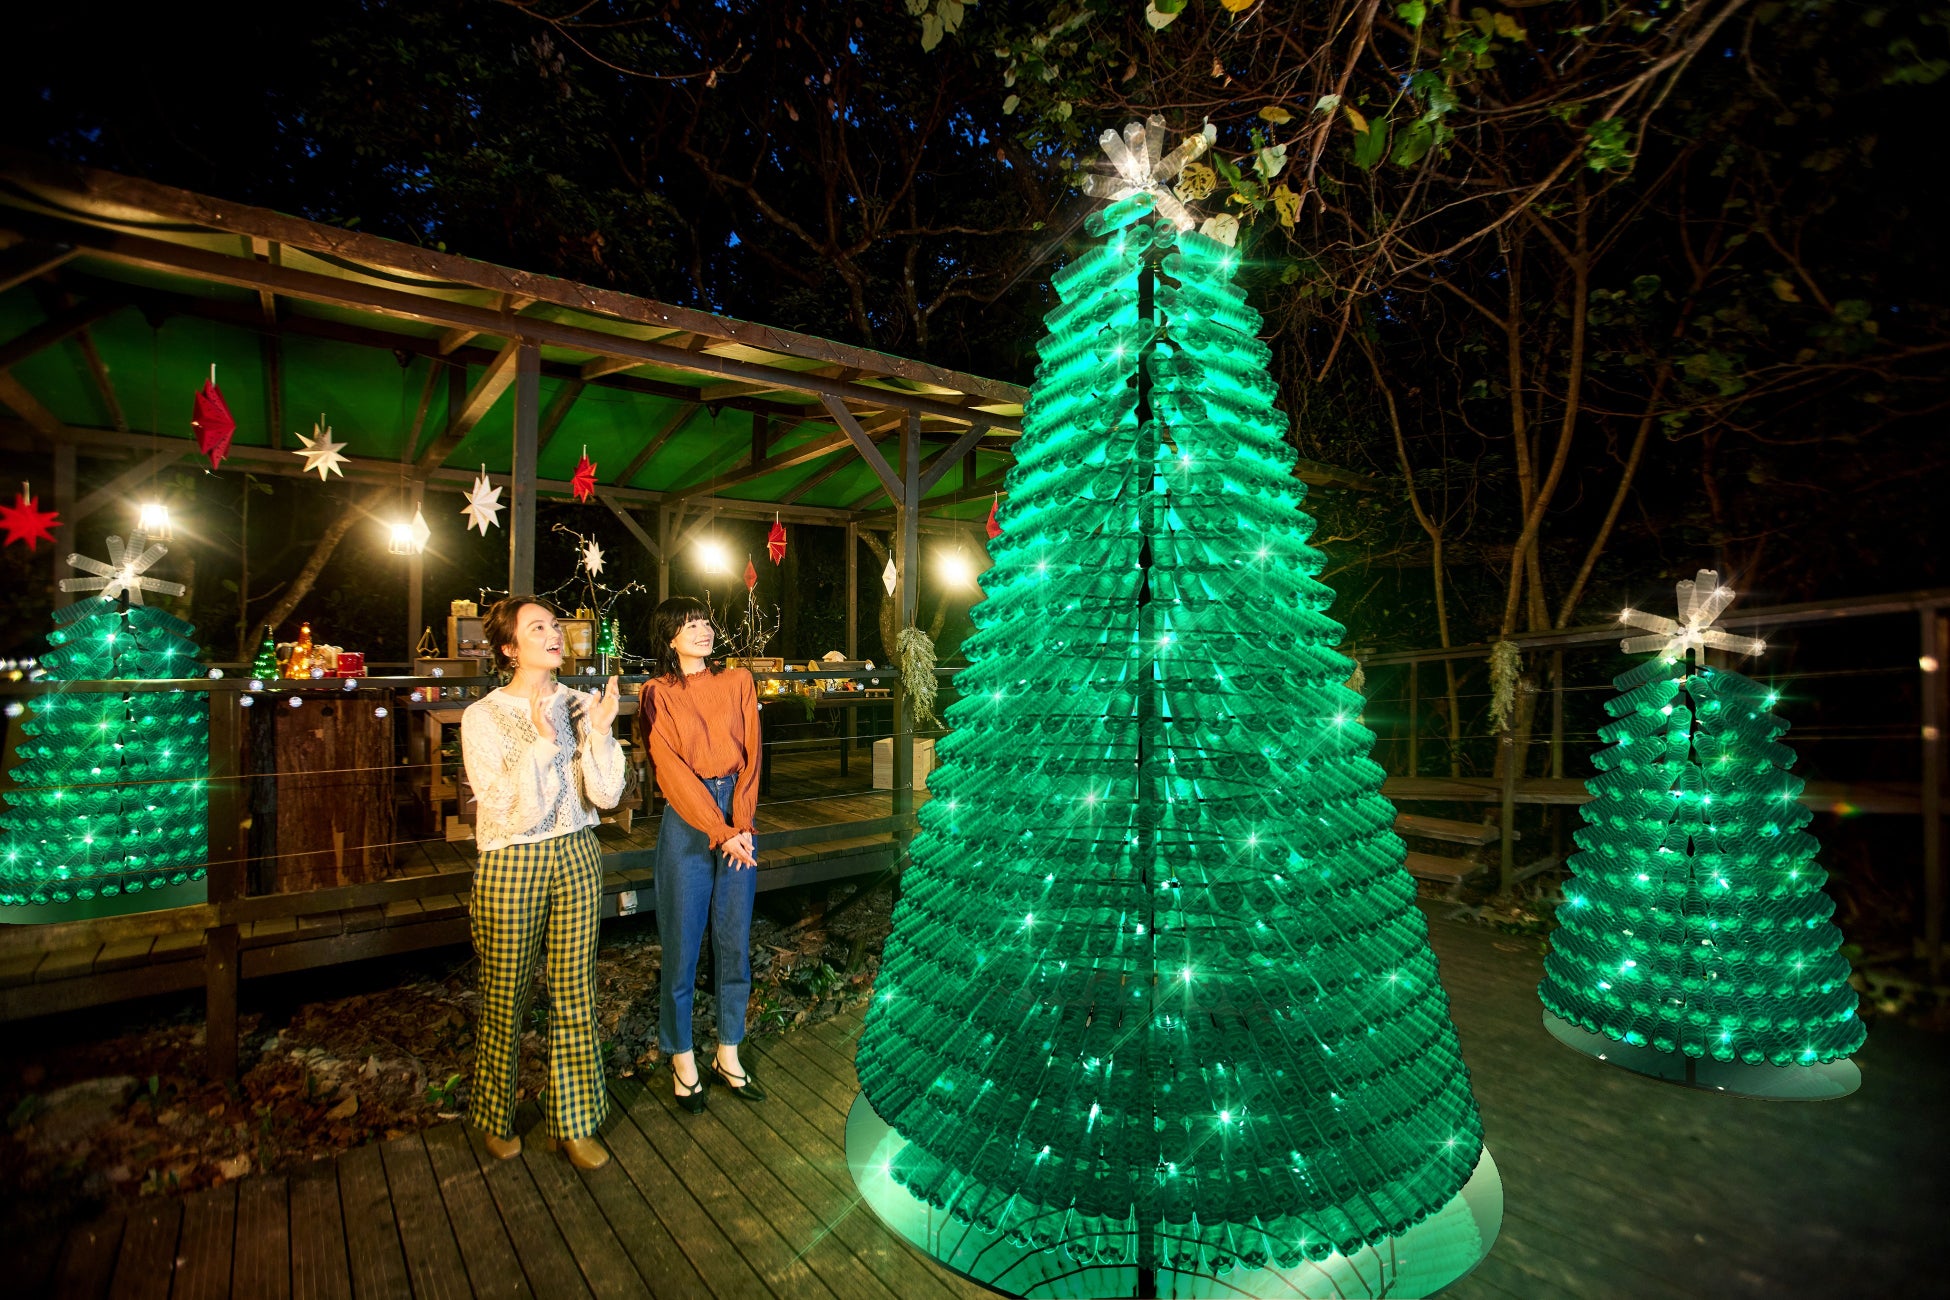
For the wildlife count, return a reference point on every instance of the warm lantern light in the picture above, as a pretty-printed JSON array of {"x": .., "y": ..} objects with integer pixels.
[
  {"x": 955, "y": 568},
  {"x": 153, "y": 521},
  {"x": 402, "y": 540},
  {"x": 712, "y": 557}
]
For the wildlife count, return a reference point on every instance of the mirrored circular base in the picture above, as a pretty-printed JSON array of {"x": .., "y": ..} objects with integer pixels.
[
  {"x": 1429, "y": 1256},
  {"x": 1823, "y": 1082}
]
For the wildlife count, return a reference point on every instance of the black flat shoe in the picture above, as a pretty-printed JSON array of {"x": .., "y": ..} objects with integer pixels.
[
  {"x": 742, "y": 1086},
  {"x": 693, "y": 1100}
]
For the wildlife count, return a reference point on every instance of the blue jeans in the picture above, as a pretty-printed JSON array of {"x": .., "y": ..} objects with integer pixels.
[{"x": 696, "y": 884}]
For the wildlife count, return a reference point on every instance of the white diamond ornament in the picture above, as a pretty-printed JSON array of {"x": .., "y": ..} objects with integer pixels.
[
  {"x": 483, "y": 508},
  {"x": 320, "y": 452},
  {"x": 889, "y": 577},
  {"x": 1701, "y": 600},
  {"x": 421, "y": 533},
  {"x": 124, "y": 572}
]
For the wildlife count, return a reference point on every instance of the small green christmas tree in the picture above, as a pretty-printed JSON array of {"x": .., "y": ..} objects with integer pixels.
[
  {"x": 1694, "y": 927},
  {"x": 265, "y": 666},
  {"x": 1157, "y": 990},
  {"x": 110, "y": 795}
]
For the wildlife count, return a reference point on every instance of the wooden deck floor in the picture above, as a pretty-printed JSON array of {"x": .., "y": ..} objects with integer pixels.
[{"x": 1615, "y": 1186}]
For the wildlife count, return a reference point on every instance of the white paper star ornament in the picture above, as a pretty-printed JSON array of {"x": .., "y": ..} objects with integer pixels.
[
  {"x": 1701, "y": 599},
  {"x": 321, "y": 453},
  {"x": 592, "y": 557},
  {"x": 483, "y": 508}
]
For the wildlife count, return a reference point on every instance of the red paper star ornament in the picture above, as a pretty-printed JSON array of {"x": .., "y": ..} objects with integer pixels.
[
  {"x": 993, "y": 525},
  {"x": 213, "y": 422},
  {"x": 751, "y": 574},
  {"x": 775, "y": 541},
  {"x": 25, "y": 521},
  {"x": 583, "y": 482}
]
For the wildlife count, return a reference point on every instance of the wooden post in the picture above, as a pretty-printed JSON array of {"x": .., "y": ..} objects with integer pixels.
[
  {"x": 852, "y": 631},
  {"x": 1557, "y": 713},
  {"x": 1506, "y": 743},
  {"x": 415, "y": 584},
  {"x": 521, "y": 512},
  {"x": 64, "y": 532},
  {"x": 1935, "y": 635},
  {"x": 224, "y": 851},
  {"x": 665, "y": 537},
  {"x": 1414, "y": 717},
  {"x": 907, "y": 519}
]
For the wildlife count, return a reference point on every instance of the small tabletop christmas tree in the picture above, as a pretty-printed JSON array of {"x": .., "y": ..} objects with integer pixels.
[
  {"x": 1158, "y": 999},
  {"x": 265, "y": 666},
  {"x": 110, "y": 795},
  {"x": 1694, "y": 941}
]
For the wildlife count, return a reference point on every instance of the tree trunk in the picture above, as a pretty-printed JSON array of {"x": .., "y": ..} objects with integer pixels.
[{"x": 322, "y": 552}]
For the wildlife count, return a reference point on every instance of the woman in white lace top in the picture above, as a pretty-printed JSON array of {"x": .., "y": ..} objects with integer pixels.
[{"x": 542, "y": 760}]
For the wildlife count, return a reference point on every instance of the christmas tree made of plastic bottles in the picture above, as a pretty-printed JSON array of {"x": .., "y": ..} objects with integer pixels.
[{"x": 1157, "y": 992}]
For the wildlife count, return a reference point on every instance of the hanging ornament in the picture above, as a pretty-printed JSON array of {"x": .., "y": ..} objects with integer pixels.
[
  {"x": 25, "y": 521},
  {"x": 775, "y": 540},
  {"x": 265, "y": 665},
  {"x": 583, "y": 482},
  {"x": 421, "y": 533},
  {"x": 592, "y": 557},
  {"x": 320, "y": 452},
  {"x": 751, "y": 574},
  {"x": 889, "y": 576},
  {"x": 1701, "y": 598},
  {"x": 124, "y": 572},
  {"x": 483, "y": 508},
  {"x": 993, "y": 525},
  {"x": 1140, "y": 165},
  {"x": 210, "y": 417}
]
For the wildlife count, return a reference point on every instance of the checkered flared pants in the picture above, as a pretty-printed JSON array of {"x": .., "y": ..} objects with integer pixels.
[{"x": 528, "y": 897}]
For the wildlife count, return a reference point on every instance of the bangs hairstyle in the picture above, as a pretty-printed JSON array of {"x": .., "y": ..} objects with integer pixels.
[
  {"x": 666, "y": 621},
  {"x": 499, "y": 627}
]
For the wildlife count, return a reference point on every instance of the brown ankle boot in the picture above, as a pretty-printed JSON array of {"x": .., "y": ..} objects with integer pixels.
[
  {"x": 583, "y": 1153},
  {"x": 502, "y": 1148}
]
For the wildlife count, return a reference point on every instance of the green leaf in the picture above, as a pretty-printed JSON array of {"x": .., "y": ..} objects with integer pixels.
[
  {"x": 931, "y": 31},
  {"x": 1275, "y": 114},
  {"x": 1159, "y": 16},
  {"x": 1358, "y": 122},
  {"x": 1414, "y": 143},
  {"x": 1009, "y": 104},
  {"x": 1370, "y": 146},
  {"x": 1327, "y": 104},
  {"x": 1414, "y": 13},
  {"x": 1507, "y": 28}
]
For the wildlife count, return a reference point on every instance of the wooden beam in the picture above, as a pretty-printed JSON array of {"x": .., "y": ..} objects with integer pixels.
[
  {"x": 814, "y": 450},
  {"x": 868, "y": 451},
  {"x": 14, "y": 394},
  {"x": 486, "y": 391},
  {"x": 991, "y": 482},
  {"x": 521, "y": 505},
  {"x": 213, "y": 267},
  {"x": 265, "y": 250},
  {"x": 53, "y": 330},
  {"x": 677, "y": 420},
  {"x": 558, "y": 408},
  {"x": 119, "y": 487},
  {"x": 629, "y": 521},
  {"x": 410, "y": 445},
  {"x": 724, "y": 392},
  {"x": 597, "y": 367},
  {"x": 943, "y": 460},
  {"x": 103, "y": 384},
  {"x": 511, "y": 304},
  {"x": 32, "y": 257}
]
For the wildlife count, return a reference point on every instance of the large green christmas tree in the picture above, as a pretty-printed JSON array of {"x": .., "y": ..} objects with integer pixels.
[
  {"x": 1157, "y": 989},
  {"x": 110, "y": 792},
  {"x": 1694, "y": 926}
]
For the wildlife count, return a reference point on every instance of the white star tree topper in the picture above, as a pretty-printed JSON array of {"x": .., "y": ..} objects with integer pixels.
[
  {"x": 592, "y": 557},
  {"x": 125, "y": 571},
  {"x": 483, "y": 508},
  {"x": 1140, "y": 165},
  {"x": 1701, "y": 600},
  {"x": 320, "y": 452}
]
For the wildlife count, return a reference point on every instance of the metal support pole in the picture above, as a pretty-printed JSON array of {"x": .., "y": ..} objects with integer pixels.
[
  {"x": 1557, "y": 714},
  {"x": 521, "y": 507},
  {"x": 906, "y": 559},
  {"x": 852, "y": 591},
  {"x": 224, "y": 852},
  {"x": 665, "y": 536},
  {"x": 1935, "y": 635},
  {"x": 1506, "y": 743}
]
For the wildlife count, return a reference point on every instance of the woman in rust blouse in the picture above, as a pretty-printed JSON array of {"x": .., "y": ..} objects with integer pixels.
[{"x": 699, "y": 723}]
